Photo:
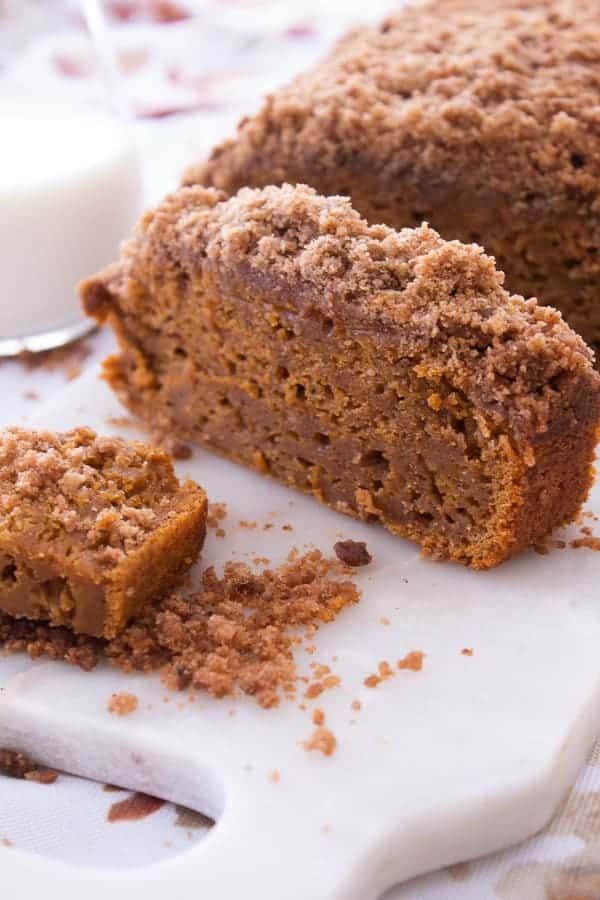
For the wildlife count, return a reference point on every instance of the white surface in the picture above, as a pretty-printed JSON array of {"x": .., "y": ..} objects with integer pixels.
[
  {"x": 70, "y": 191},
  {"x": 460, "y": 759}
]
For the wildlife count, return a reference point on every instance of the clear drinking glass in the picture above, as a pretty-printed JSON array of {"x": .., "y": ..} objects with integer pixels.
[{"x": 70, "y": 183}]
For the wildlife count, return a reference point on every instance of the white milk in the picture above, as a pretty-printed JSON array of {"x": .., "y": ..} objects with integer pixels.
[{"x": 70, "y": 191}]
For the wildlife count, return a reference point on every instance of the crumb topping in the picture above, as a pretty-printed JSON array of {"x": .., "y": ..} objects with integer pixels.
[
  {"x": 508, "y": 89},
  {"x": 440, "y": 303},
  {"x": 100, "y": 495}
]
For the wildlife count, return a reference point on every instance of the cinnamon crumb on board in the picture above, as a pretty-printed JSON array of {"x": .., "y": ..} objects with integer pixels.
[
  {"x": 17, "y": 765},
  {"x": 134, "y": 808},
  {"x": 318, "y": 717},
  {"x": 122, "y": 704},
  {"x": 236, "y": 634},
  {"x": 323, "y": 740},
  {"x": 384, "y": 671},
  {"x": 412, "y": 661},
  {"x": 352, "y": 553}
]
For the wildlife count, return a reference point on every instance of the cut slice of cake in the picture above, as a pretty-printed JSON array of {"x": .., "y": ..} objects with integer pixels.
[
  {"x": 91, "y": 528},
  {"x": 387, "y": 373}
]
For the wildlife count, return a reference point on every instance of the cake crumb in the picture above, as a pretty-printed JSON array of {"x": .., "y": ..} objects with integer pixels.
[
  {"x": 352, "y": 553},
  {"x": 318, "y": 717},
  {"x": 371, "y": 681},
  {"x": 216, "y": 514},
  {"x": 275, "y": 776},
  {"x": 177, "y": 449},
  {"x": 5, "y": 842},
  {"x": 356, "y": 705},
  {"x": 384, "y": 620},
  {"x": 122, "y": 704},
  {"x": 31, "y": 395},
  {"x": 287, "y": 527},
  {"x": 41, "y": 776},
  {"x": 132, "y": 809},
  {"x": 589, "y": 542},
  {"x": 249, "y": 526},
  {"x": 412, "y": 661},
  {"x": 323, "y": 740},
  {"x": 120, "y": 421},
  {"x": 467, "y": 651},
  {"x": 17, "y": 765}
]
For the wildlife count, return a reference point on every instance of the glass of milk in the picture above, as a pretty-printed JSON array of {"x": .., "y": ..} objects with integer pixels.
[{"x": 70, "y": 182}]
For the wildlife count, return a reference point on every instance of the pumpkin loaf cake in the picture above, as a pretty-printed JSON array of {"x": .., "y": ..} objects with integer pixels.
[
  {"x": 481, "y": 117},
  {"x": 91, "y": 528},
  {"x": 387, "y": 373}
]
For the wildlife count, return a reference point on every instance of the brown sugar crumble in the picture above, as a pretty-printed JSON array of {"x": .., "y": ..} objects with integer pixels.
[
  {"x": 236, "y": 634},
  {"x": 352, "y": 553},
  {"x": 122, "y": 704},
  {"x": 413, "y": 661},
  {"x": 318, "y": 717},
  {"x": 384, "y": 671},
  {"x": 323, "y": 740},
  {"x": 17, "y": 765}
]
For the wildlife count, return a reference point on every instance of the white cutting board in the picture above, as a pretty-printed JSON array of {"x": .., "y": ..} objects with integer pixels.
[{"x": 460, "y": 759}]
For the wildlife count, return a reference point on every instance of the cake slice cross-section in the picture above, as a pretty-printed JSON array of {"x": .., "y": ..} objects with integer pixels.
[
  {"x": 388, "y": 374},
  {"x": 91, "y": 528}
]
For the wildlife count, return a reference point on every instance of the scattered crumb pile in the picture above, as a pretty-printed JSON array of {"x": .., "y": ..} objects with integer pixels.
[
  {"x": 237, "y": 633},
  {"x": 352, "y": 553},
  {"x": 122, "y": 704},
  {"x": 16, "y": 765}
]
